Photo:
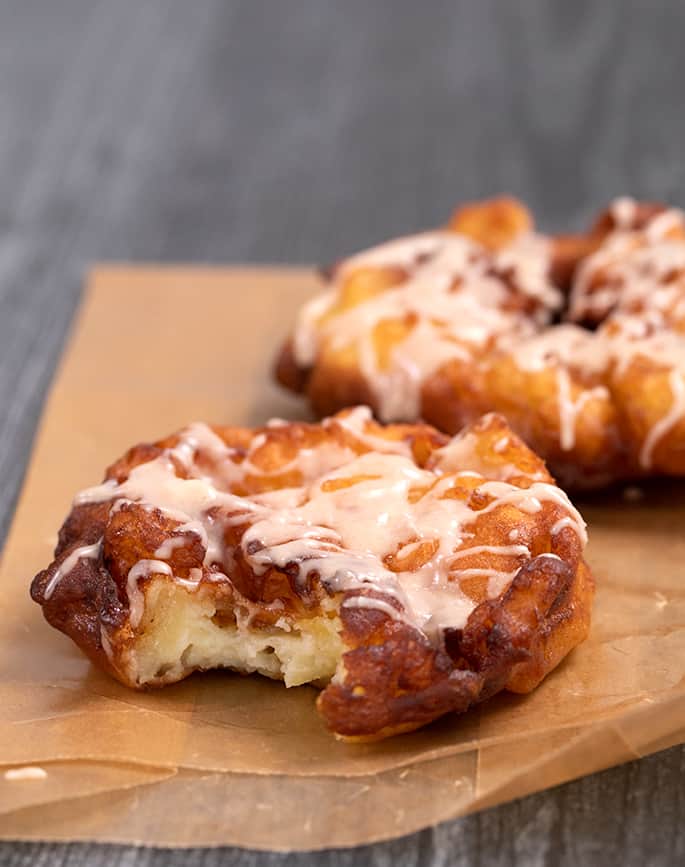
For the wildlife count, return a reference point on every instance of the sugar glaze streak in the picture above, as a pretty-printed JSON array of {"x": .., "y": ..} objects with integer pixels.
[{"x": 353, "y": 520}]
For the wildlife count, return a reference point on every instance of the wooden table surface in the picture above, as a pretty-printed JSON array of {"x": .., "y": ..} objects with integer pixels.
[{"x": 264, "y": 131}]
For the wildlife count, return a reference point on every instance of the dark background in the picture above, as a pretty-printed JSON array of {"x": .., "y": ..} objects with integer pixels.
[{"x": 298, "y": 131}]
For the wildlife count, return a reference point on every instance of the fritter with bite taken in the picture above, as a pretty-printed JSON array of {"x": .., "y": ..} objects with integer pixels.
[{"x": 407, "y": 573}]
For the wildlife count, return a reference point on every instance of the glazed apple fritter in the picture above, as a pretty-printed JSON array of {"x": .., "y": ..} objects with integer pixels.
[
  {"x": 579, "y": 341},
  {"x": 407, "y": 573}
]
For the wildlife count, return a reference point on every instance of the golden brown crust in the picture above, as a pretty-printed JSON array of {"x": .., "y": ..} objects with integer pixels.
[
  {"x": 567, "y": 624},
  {"x": 392, "y": 676},
  {"x": 589, "y": 414},
  {"x": 528, "y": 399},
  {"x": 494, "y": 223},
  {"x": 288, "y": 372},
  {"x": 401, "y": 681}
]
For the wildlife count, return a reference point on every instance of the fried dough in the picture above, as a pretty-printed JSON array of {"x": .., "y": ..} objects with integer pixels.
[
  {"x": 578, "y": 340},
  {"x": 407, "y": 573}
]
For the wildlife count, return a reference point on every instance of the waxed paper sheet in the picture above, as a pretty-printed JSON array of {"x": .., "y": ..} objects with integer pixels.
[{"x": 244, "y": 760}]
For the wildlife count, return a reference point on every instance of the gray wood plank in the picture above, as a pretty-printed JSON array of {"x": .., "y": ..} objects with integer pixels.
[{"x": 226, "y": 131}]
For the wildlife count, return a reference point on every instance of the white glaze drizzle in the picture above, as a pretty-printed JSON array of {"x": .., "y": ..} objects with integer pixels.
[
  {"x": 454, "y": 297},
  {"x": 136, "y": 599},
  {"x": 561, "y": 524},
  {"x": 608, "y": 353},
  {"x": 462, "y": 451},
  {"x": 343, "y": 532},
  {"x": 641, "y": 276},
  {"x": 85, "y": 552},
  {"x": 499, "y": 581},
  {"x": 502, "y": 550},
  {"x": 179, "y": 540},
  {"x": 567, "y": 345},
  {"x": 455, "y": 301},
  {"x": 633, "y": 268},
  {"x": 570, "y": 408},
  {"x": 666, "y": 422}
]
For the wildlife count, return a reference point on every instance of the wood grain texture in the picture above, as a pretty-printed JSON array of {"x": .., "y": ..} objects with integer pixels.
[{"x": 228, "y": 131}]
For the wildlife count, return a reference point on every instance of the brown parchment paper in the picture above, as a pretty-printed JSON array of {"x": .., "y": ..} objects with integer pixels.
[{"x": 222, "y": 759}]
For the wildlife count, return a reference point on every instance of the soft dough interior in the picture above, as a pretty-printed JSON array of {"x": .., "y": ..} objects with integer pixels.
[{"x": 181, "y": 631}]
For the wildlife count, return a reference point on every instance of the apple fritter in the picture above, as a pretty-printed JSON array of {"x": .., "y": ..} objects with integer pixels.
[
  {"x": 487, "y": 315},
  {"x": 407, "y": 573}
]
